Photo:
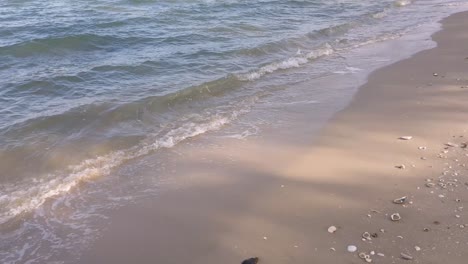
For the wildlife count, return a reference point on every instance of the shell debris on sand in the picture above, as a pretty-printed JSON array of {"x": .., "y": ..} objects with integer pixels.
[
  {"x": 406, "y": 256},
  {"x": 332, "y": 229},
  {"x": 395, "y": 217},
  {"x": 366, "y": 236},
  {"x": 405, "y": 137},
  {"x": 400, "y": 200}
]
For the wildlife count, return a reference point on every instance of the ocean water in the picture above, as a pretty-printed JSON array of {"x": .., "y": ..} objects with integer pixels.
[{"x": 87, "y": 86}]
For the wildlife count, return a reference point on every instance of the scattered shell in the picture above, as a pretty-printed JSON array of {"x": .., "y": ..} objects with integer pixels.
[
  {"x": 332, "y": 249},
  {"x": 450, "y": 144},
  {"x": 462, "y": 226},
  {"x": 332, "y": 229},
  {"x": 422, "y": 148},
  {"x": 426, "y": 229},
  {"x": 435, "y": 74},
  {"x": 352, "y": 248},
  {"x": 417, "y": 248},
  {"x": 405, "y": 137},
  {"x": 395, "y": 217},
  {"x": 380, "y": 254},
  {"x": 430, "y": 184},
  {"x": 406, "y": 256},
  {"x": 374, "y": 235},
  {"x": 372, "y": 253},
  {"x": 366, "y": 235},
  {"x": 401, "y": 167},
  {"x": 365, "y": 257},
  {"x": 265, "y": 238},
  {"x": 400, "y": 200},
  {"x": 463, "y": 145}
]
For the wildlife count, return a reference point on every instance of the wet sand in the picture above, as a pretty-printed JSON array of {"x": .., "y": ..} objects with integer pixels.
[{"x": 275, "y": 198}]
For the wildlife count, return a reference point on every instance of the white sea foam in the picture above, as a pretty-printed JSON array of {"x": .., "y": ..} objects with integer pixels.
[
  {"x": 402, "y": 2},
  {"x": 292, "y": 62},
  {"x": 20, "y": 198}
]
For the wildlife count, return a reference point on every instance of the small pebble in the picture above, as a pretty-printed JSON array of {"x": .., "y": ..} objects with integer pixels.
[
  {"x": 250, "y": 261},
  {"x": 352, "y": 248}
]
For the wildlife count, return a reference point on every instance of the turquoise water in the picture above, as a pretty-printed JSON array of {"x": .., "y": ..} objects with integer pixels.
[{"x": 89, "y": 85}]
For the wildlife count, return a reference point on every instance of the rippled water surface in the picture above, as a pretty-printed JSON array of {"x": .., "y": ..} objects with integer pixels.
[{"x": 89, "y": 85}]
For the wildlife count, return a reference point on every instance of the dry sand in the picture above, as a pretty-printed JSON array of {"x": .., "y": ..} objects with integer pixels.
[{"x": 276, "y": 200}]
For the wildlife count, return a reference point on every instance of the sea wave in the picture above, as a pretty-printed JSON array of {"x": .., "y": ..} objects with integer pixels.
[
  {"x": 401, "y": 3},
  {"x": 20, "y": 198},
  {"x": 58, "y": 45},
  {"x": 292, "y": 62}
]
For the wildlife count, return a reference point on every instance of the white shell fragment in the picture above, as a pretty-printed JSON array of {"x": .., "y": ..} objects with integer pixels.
[
  {"x": 395, "y": 217},
  {"x": 352, "y": 248},
  {"x": 406, "y": 256},
  {"x": 405, "y": 137},
  {"x": 450, "y": 144},
  {"x": 332, "y": 229},
  {"x": 417, "y": 248},
  {"x": 366, "y": 235},
  {"x": 401, "y": 167},
  {"x": 400, "y": 200}
]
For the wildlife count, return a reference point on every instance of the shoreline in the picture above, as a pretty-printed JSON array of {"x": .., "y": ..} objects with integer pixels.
[{"x": 275, "y": 200}]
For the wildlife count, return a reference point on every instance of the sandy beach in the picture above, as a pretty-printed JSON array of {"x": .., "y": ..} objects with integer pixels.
[{"x": 276, "y": 197}]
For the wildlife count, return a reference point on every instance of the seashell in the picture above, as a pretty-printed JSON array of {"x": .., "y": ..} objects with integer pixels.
[
  {"x": 450, "y": 144},
  {"x": 406, "y": 256},
  {"x": 362, "y": 255},
  {"x": 401, "y": 167},
  {"x": 366, "y": 235},
  {"x": 395, "y": 217},
  {"x": 352, "y": 248},
  {"x": 405, "y": 137},
  {"x": 400, "y": 200},
  {"x": 435, "y": 74},
  {"x": 332, "y": 229},
  {"x": 417, "y": 248},
  {"x": 430, "y": 184}
]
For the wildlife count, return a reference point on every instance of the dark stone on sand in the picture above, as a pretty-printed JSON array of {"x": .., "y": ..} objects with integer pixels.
[{"x": 250, "y": 261}]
